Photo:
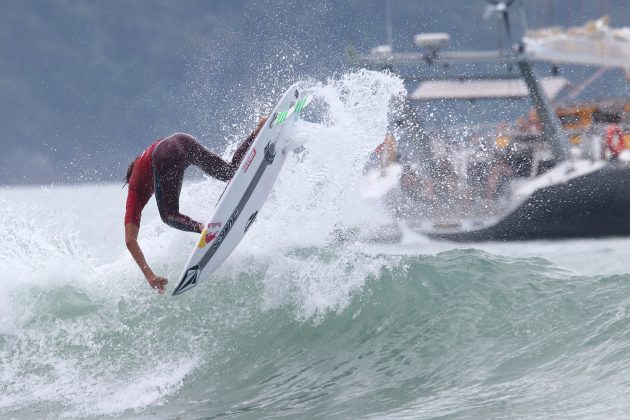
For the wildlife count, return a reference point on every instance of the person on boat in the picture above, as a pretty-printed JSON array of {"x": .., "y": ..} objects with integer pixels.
[
  {"x": 383, "y": 155},
  {"x": 499, "y": 177},
  {"x": 410, "y": 150},
  {"x": 160, "y": 170},
  {"x": 445, "y": 182},
  {"x": 530, "y": 123}
]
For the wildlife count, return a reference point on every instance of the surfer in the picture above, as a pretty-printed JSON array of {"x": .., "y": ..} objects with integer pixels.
[{"x": 160, "y": 170}]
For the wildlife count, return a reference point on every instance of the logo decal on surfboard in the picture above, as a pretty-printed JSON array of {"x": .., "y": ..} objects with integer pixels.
[
  {"x": 251, "y": 220},
  {"x": 226, "y": 228},
  {"x": 270, "y": 152},
  {"x": 273, "y": 119},
  {"x": 206, "y": 238},
  {"x": 248, "y": 162},
  {"x": 189, "y": 280}
]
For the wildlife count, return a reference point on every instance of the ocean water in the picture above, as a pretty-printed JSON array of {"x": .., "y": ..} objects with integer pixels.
[{"x": 294, "y": 325}]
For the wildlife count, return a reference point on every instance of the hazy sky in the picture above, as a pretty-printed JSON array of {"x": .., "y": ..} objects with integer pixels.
[{"x": 86, "y": 85}]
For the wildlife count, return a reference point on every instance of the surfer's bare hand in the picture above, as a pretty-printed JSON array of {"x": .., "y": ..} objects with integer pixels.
[{"x": 158, "y": 283}]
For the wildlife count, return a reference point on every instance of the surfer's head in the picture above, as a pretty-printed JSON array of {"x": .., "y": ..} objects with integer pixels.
[{"x": 129, "y": 171}]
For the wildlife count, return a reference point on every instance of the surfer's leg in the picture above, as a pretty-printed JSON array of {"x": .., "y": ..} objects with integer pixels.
[
  {"x": 168, "y": 185},
  {"x": 211, "y": 163},
  {"x": 208, "y": 161}
]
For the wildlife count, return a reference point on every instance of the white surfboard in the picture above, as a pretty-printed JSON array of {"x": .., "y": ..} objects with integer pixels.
[{"x": 246, "y": 192}]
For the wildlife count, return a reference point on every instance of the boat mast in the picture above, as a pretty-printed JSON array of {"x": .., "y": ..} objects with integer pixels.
[
  {"x": 550, "y": 125},
  {"x": 388, "y": 22}
]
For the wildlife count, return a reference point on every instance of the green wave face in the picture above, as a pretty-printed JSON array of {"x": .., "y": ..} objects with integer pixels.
[{"x": 460, "y": 333}]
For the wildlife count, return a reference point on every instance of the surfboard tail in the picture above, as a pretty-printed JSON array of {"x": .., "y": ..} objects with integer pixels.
[{"x": 188, "y": 280}]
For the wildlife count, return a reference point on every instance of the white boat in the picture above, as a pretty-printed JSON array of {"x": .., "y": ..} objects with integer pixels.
[{"x": 568, "y": 167}]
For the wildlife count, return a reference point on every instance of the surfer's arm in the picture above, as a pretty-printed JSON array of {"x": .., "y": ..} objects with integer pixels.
[{"x": 131, "y": 240}]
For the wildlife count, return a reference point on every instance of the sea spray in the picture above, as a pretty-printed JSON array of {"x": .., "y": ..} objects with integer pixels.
[
  {"x": 317, "y": 192},
  {"x": 75, "y": 333}
]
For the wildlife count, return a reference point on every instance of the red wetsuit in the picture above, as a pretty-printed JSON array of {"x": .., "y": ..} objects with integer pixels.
[
  {"x": 141, "y": 186},
  {"x": 160, "y": 169}
]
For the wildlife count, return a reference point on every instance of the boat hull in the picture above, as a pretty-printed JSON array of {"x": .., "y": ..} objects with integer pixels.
[{"x": 589, "y": 206}]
